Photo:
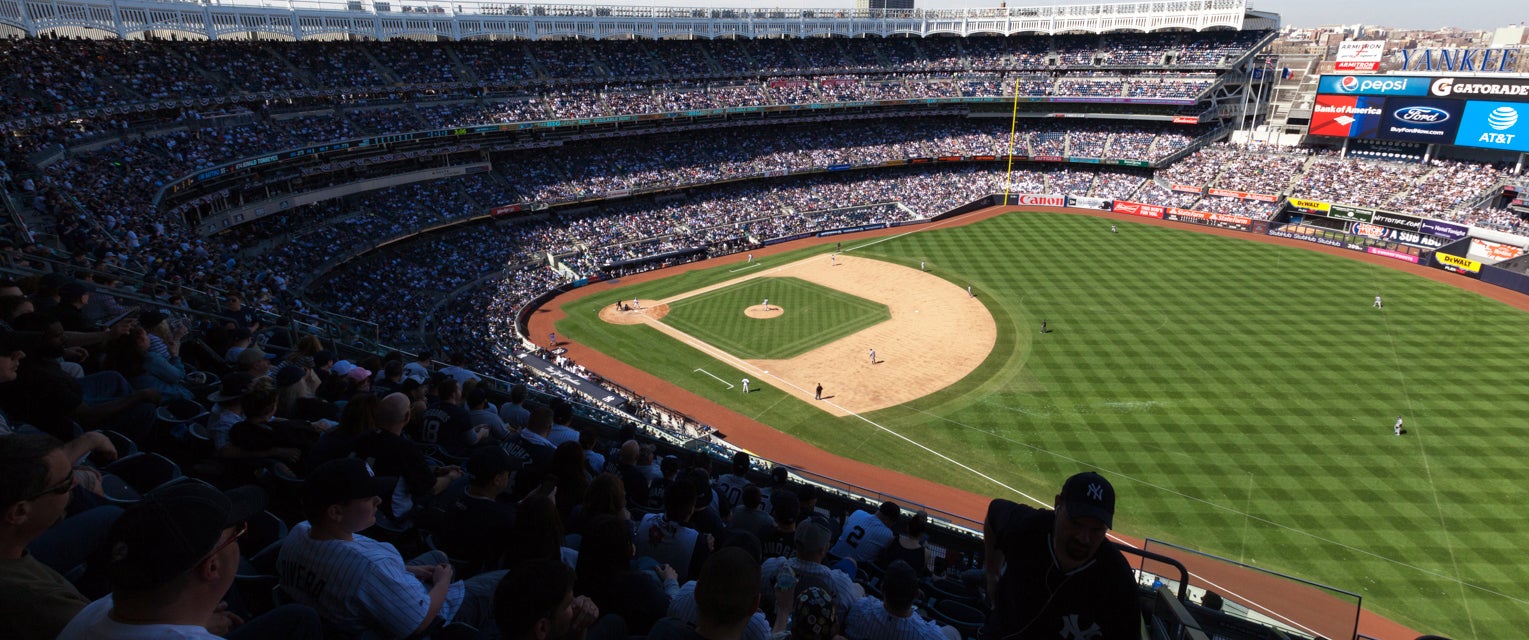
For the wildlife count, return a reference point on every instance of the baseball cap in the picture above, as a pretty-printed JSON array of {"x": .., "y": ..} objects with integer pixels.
[
  {"x": 487, "y": 462},
  {"x": 250, "y": 356},
  {"x": 811, "y": 537},
  {"x": 358, "y": 374},
  {"x": 338, "y": 481},
  {"x": 289, "y": 375},
  {"x": 235, "y": 385},
  {"x": 1089, "y": 495},
  {"x": 172, "y": 530},
  {"x": 323, "y": 357}
]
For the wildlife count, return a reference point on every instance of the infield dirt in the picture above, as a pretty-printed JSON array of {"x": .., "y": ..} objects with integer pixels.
[{"x": 936, "y": 336}]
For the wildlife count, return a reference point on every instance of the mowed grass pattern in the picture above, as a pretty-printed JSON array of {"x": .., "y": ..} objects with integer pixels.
[
  {"x": 814, "y": 315},
  {"x": 1240, "y": 396}
]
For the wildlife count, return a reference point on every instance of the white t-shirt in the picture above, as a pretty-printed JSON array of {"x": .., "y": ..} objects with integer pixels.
[{"x": 94, "y": 623}]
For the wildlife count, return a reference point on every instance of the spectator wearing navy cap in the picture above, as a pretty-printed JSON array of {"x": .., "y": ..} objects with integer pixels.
[
  {"x": 480, "y": 524},
  {"x": 361, "y": 584},
  {"x": 1050, "y": 570},
  {"x": 170, "y": 560}
]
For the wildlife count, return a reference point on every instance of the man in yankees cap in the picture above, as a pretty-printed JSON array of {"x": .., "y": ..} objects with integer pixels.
[{"x": 1052, "y": 574}]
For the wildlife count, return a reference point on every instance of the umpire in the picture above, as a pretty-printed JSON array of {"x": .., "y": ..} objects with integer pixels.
[{"x": 1063, "y": 578}]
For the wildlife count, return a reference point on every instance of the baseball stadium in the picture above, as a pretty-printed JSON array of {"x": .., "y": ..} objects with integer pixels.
[{"x": 901, "y": 261}]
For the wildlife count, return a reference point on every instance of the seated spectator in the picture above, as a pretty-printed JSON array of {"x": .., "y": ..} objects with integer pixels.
[
  {"x": 446, "y": 423},
  {"x": 909, "y": 547},
  {"x": 811, "y": 548},
  {"x": 481, "y": 413},
  {"x": 391, "y": 380},
  {"x": 358, "y": 419},
  {"x": 535, "y": 601},
  {"x": 605, "y": 497},
  {"x": 538, "y": 532},
  {"x": 572, "y": 474},
  {"x": 173, "y": 559},
  {"x": 726, "y": 595},
  {"x": 477, "y": 528},
  {"x": 131, "y": 356},
  {"x": 813, "y": 615},
  {"x": 731, "y": 484},
  {"x": 531, "y": 445},
  {"x": 606, "y": 576},
  {"x": 35, "y": 483},
  {"x": 260, "y": 440},
  {"x": 514, "y": 413},
  {"x": 893, "y": 617},
  {"x": 391, "y": 454},
  {"x": 360, "y": 584},
  {"x": 254, "y": 362},
  {"x": 780, "y": 540},
  {"x": 866, "y": 534},
  {"x": 419, "y": 370},
  {"x": 749, "y": 515},
  {"x": 296, "y": 396},
  {"x": 45, "y": 396},
  {"x": 667, "y": 537},
  {"x": 457, "y": 369},
  {"x": 632, "y": 478}
]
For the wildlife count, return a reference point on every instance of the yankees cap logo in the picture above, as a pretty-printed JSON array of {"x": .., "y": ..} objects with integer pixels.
[{"x": 1095, "y": 491}]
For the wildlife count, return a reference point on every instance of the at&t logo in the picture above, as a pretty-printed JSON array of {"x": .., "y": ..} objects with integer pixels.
[{"x": 1502, "y": 118}]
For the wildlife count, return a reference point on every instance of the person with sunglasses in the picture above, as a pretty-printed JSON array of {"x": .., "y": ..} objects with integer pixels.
[
  {"x": 170, "y": 561},
  {"x": 35, "y": 481}
]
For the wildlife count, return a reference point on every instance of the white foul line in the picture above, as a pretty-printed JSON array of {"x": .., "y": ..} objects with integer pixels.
[{"x": 729, "y": 384}]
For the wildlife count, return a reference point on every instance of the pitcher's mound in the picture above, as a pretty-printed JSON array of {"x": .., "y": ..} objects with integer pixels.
[
  {"x": 650, "y": 309},
  {"x": 758, "y": 311}
]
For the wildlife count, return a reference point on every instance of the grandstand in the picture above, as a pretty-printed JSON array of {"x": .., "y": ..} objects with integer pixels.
[{"x": 405, "y": 178}]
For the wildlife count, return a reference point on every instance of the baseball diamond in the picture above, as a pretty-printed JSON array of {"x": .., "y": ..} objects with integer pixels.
[{"x": 1239, "y": 424}]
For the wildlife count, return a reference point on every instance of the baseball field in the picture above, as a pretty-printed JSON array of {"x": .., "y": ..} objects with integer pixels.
[{"x": 1240, "y": 395}]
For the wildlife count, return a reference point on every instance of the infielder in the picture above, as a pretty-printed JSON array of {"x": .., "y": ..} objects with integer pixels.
[
  {"x": 636, "y": 304},
  {"x": 818, "y": 395},
  {"x": 873, "y": 356},
  {"x": 921, "y": 266},
  {"x": 833, "y": 260},
  {"x": 745, "y": 385},
  {"x": 969, "y": 292},
  {"x": 552, "y": 338},
  {"x": 1379, "y": 304}
]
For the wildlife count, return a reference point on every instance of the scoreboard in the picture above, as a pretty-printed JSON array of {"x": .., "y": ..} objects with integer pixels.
[{"x": 1482, "y": 112}]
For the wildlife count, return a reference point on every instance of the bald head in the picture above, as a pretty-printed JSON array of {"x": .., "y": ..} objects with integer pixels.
[
  {"x": 393, "y": 413},
  {"x": 629, "y": 451}
]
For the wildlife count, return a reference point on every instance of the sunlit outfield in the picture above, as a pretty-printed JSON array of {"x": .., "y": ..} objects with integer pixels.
[{"x": 1240, "y": 395}]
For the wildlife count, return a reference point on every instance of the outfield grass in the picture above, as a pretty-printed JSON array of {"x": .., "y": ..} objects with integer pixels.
[
  {"x": 1240, "y": 396},
  {"x": 815, "y": 315}
]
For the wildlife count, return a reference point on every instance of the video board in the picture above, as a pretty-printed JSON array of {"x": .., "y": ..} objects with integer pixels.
[{"x": 1488, "y": 113}]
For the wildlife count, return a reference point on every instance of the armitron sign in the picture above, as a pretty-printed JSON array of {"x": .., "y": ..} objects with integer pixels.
[{"x": 1359, "y": 55}]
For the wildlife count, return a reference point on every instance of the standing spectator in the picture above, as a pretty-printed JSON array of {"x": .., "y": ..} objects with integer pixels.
[{"x": 1054, "y": 569}]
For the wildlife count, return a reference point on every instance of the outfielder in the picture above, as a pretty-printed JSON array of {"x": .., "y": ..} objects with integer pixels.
[
  {"x": 1398, "y": 430},
  {"x": 1379, "y": 304},
  {"x": 745, "y": 385}
]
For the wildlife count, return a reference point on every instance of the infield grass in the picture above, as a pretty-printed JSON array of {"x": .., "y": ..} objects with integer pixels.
[
  {"x": 1239, "y": 395},
  {"x": 815, "y": 315}
]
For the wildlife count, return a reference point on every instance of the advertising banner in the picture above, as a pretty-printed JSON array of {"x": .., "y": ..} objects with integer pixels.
[
  {"x": 1310, "y": 205},
  {"x": 1091, "y": 203},
  {"x": 1346, "y": 116},
  {"x": 1184, "y": 188},
  {"x": 1138, "y": 209},
  {"x": 1458, "y": 263},
  {"x": 1241, "y": 195},
  {"x": 1359, "y": 55},
  {"x": 1445, "y": 229},
  {"x": 1047, "y": 158},
  {"x": 1387, "y": 253},
  {"x": 1037, "y": 200},
  {"x": 1222, "y": 220},
  {"x": 1495, "y": 251},
  {"x": 1315, "y": 239},
  {"x": 1495, "y": 125},
  {"x": 1416, "y": 120},
  {"x": 1375, "y": 85},
  {"x": 1514, "y": 89},
  {"x": 1396, "y": 220},
  {"x": 1345, "y": 212},
  {"x": 1369, "y": 230},
  {"x": 1186, "y": 120}
]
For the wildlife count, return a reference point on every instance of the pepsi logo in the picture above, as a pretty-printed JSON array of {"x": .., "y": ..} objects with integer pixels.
[
  {"x": 1425, "y": 115},
  {"x": 1348, "y": 83}
]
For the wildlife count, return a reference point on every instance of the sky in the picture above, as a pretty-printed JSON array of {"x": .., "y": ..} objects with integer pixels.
[{"x": 1403, "y": 14}]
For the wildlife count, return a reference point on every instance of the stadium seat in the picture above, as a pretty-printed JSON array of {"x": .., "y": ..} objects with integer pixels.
[
  {"x": 144, "y": 471},
  {"x": 964, "y": 617}
]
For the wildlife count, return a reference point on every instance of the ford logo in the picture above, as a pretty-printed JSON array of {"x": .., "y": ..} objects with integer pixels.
[{"x": 1421, "y": 114}]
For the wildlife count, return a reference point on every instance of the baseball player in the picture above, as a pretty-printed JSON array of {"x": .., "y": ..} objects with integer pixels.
[
  {"x": 751, "y": 258},
  {"x": 745, "y": 385},
  {"x": 1397, "y": 429},
  {"x": 1112, "y": 229},
  {"x": 636, "y": 304},
  {"x": 1379, "y": 304},
  {"x": 969, "y": 292},
  {"x": 552, "y": 338},
  {"x": 1043, "y": 326},
  {"x": 818, "y": 395},
  {"x": 767, "y": 304},
  {"x": 921, "y": 266},
  {"x": 833, "y": 260},
  {"x": 873, "y": 356}
]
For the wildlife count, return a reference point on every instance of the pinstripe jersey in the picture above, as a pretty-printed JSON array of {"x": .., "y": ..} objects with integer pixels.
[
  {"x": 683, "y": 606},
  {"x": 869, "y": 620},
  {"x": 358, "y": 585}
]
